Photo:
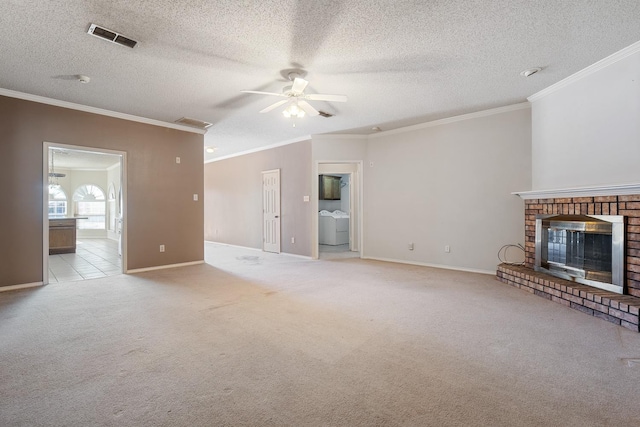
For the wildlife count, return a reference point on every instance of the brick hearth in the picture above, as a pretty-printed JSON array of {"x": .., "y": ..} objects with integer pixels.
[{"x": 622, "y": 310}]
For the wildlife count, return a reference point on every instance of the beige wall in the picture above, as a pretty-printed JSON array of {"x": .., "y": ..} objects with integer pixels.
[
  {"x": 448, "y": 184},
  {"x": 233, "y": 198},
  {"x": 160, "y": 192}
]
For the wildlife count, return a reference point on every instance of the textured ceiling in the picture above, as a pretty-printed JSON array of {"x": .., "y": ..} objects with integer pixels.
[{"x": 399, "y": 62}]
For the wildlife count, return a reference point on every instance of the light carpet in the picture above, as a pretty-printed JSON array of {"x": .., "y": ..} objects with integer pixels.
[{"x": 257, "y": 339}]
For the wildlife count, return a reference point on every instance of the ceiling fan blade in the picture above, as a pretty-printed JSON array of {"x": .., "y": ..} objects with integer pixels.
[
  {"x": 323, "y": 97},
  {"x": 299, "y": 85},
  {"x": 308, "y": 108},
  {"x": 262, "y": 93},
  {"x": 273, "y": 106}
]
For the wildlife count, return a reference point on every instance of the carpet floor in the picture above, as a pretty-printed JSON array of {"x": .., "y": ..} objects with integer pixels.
[{"x": 258, "y": 339}]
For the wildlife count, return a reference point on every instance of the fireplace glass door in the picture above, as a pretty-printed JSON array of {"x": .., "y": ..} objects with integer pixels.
[{"x": 587, "y": 249}]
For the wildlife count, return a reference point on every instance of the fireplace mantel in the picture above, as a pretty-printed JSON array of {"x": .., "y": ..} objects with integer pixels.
[{"x": 608, "y": 190}]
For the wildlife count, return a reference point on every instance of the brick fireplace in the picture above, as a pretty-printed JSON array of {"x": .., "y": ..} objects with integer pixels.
[{"x": 620, "y": 309}]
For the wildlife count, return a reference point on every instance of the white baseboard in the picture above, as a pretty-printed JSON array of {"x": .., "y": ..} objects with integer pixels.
[
  {"x": 259, "y": 250},
  {"x": 296, "y": 255},
  {"x": 163, "y": 267},
  {"x": 233, "y": 246},
  {"x": 22, "y": 286},
  {"x": 424, "y": 264}
]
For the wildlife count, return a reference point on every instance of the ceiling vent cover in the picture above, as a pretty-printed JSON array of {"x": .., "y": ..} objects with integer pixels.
[
  {"x": 194, "y": 123},
  {"x": 325, "y": 114},
  {"x": 111, "y": 36}
]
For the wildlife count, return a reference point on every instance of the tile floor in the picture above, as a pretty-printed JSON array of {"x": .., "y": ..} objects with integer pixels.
[
  {"x": 93, "y": 258},
  {"x": 336, "y": 251}
]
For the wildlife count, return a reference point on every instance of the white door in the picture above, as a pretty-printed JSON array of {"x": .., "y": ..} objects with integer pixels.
[{"x": 271, "y": 211}]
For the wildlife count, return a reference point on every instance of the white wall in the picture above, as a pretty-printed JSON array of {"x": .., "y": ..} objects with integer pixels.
[
  {"x": 338, "y": 148},
  {"x": 448, "y": 184},
  {"x": 587, "y": 132}
]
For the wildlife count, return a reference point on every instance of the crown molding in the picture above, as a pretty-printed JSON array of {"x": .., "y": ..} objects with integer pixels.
[
  {"x": 440, "y": 122},
  {"x": 85, "y": 108},
  {"x": 604, "y": 190},
  {"x": 591, "y": 69},
  {"x": 255, "y": 150},
  {"x": 337, "y": 136}
]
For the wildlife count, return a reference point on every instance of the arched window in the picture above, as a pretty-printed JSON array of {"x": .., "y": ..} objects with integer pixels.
[
  {"x": 57, "y": 201},
  {"x": 89, "y": 202}
]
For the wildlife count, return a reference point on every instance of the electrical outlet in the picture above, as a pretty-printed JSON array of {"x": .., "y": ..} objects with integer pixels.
[
  {"x": 447, "y": 248},
  {"x": 305, "y": 198},
  {"x": 411, "y": 246},
  {"x": 161, "y": 248},
  {"x": 293, "y": 240}
]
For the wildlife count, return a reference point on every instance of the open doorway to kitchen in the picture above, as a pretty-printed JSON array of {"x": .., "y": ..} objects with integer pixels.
[
  {"x": 84, "y": 203},
  {"x": 338, "y": 211}
]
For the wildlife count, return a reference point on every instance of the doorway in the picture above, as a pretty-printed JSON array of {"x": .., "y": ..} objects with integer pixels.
[
  {"x": 271, "y": 211},
  {"x": 84, "y": 213},
  {"x": 338, "y": 213}
]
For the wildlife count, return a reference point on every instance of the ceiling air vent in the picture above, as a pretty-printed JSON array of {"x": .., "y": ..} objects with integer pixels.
[
  {"x": 194, "y": 123},
  {"x": 325, "y": 114},
  {"x": 111, "y": 36}
]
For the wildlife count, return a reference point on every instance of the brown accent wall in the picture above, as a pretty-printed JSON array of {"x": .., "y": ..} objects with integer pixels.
[
  {"x": 628, "y": 206},
  {"x": 160, "y": 192},
  {"x": 233, "y": 198}
]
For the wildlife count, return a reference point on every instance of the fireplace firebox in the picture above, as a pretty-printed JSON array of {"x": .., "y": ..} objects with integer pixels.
[{"x": 588, "y": 249}]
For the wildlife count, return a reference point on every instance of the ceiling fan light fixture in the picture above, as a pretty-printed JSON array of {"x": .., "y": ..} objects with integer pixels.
[{"x": 293, "y": 111}]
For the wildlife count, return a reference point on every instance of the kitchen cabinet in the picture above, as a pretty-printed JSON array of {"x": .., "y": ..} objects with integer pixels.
[{"x": 62, "y": 236}]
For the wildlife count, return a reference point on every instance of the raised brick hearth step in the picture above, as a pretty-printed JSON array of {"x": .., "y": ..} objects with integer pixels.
[{"x": 622, "y": 310}]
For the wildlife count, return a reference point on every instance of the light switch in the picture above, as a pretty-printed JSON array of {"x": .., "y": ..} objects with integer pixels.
[
  {"x": 195, "y": 197},
  {"x": 305, "y": 199},
  {"x": 178, "y": 160}
]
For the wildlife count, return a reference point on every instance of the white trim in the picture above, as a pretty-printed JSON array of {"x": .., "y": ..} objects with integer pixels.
[
  {"x": 603, "y": 63},
  {"x": 79, "y": 107},
  {"x": 278, "y": 217},
  {"x": 22, "y": 286},
  {"x": 605, "y": 190},
  {"x": 359, "y": 173},
  {"x": 45, "y": 213},
  {"x": 424, "y": 264},
  {"x": 308, "y": 258},
  {"x": 258, "y": 250},
  {"x": 258, "y": 149},
  {"x": 45, "y": 202},
  {"x": 339, "y": 136},
  {"x": 470, "y": 116},
  {"x": 163, "y": 267},
  {"x": 235, "y": 246}
]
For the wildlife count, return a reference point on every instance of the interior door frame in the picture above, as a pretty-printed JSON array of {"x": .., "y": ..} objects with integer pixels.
[
  {"x": 354, "y": 169},
  {"x": 45, "y": 200},
  {"x": 278, "y": 217}
]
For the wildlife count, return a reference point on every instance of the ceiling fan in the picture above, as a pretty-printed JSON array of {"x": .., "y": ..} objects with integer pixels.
[{"x": 296, "y": 98}]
